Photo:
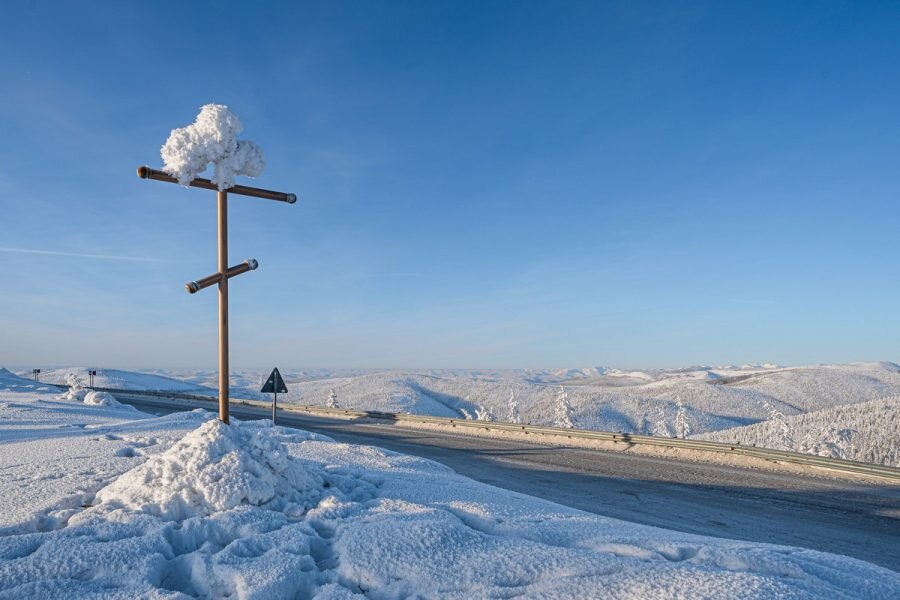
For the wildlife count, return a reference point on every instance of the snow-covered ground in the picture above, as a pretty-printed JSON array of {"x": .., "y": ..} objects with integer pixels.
[
  {"x": 104, "y": 501},
  {"x": 687, "y": 401},
  {"x": 116, "y": 378}
]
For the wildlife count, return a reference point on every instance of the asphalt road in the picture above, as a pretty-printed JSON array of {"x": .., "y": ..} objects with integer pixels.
[{"x": 862, "y": 521}]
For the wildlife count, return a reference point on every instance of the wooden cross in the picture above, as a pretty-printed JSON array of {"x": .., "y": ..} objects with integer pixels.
[{"x": 224, "y": 273}]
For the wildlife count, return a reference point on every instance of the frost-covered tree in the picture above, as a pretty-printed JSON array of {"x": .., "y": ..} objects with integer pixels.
[
  {"x": 484, "y": 414},
  {"x": 466, "y": 414},
  {"x": 682, "y": 427},
  {"x": 661, "y": 428},
  {"x": 830, "y": 443},
  {"x": 890, "y": 450},
  {"x": 564, "y": 412},
  {"x": 74, "y": 381},
  {"x": 332, "y": 399},
  {"x": 784, "y": 429},
  {"x": 512, "y": 405},
  {"x": 77, "y": 391},
  {"x": 841, "y": 441}
]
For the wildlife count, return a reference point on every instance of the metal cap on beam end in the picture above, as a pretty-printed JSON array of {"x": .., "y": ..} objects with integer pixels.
[
  {"x": 291, "y": 198},
  {"x": 143, "y": 172},
  {"x": 252, "y": 263},
  {"x": 193, "y": 287}
]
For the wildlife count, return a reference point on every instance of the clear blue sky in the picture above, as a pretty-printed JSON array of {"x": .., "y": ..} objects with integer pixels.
[{"x": 482, "y": 184}]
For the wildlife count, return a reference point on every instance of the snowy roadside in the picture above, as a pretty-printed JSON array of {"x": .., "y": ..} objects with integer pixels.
[
  {"x": 503, "y": 432},
  {"x": 657, "y": 451},
  {"x": 104, "y": 501}
]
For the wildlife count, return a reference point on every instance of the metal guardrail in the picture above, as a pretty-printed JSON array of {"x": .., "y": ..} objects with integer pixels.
[{"x": 832, "y": 464}]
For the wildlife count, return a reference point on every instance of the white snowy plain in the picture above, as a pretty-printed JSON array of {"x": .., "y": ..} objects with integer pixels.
[{"x": 102, "y": 501}]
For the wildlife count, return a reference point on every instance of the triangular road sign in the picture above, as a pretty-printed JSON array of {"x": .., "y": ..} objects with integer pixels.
[{"x": 274, "y": 384}]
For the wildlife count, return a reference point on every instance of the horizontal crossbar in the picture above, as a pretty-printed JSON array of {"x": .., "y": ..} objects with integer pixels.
[
  {"x": 195, "y": 286},
  {"x": 243, "y": 190}
]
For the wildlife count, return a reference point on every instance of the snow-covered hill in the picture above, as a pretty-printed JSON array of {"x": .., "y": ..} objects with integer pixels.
[
  {"x": 11, "y": 381},
  {"x": 865, "y": 432},
  {"x": 713, "y": 399},
  {"x": 116, "y": 378},
  {"x": 812, "y": 388}
]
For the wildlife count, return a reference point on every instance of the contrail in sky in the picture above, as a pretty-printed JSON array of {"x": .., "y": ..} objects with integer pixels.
[{"x": 77, "y": 255}]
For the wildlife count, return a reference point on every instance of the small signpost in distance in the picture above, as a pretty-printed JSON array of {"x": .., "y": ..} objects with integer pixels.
[{"x": 274, "y": 385}]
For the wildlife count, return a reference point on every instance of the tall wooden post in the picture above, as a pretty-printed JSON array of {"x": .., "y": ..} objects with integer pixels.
[{"x": 223, "y": 306}]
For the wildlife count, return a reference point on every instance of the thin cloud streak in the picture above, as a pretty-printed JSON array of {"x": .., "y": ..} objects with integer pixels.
[{"x": 78, "y": 255}]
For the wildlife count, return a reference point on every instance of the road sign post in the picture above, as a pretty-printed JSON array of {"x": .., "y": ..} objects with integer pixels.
[
  {"x": 224, "y": 273},
  {"x": 274, "y": 385}
]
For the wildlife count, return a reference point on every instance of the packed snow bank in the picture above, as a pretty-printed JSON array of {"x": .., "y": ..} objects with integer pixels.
[
  {"x": 77, "y": 392},
  {"x": 378, "y": 525},
  {"x": 212, "y": 138},
  {"x": 215, "y": 468},
  {"x": 100, "y": 399}
]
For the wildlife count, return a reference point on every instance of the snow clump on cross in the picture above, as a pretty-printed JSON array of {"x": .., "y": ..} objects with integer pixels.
[{"x": 212, "y": 138}]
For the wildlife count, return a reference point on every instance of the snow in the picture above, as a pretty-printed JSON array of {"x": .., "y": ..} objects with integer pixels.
[
  {"x": 106, "y": 502},
  {"x": 865, "y": 432},
  {"x": 697, "y": 399},
  {"x": 100, "y": 399},
  {"x": 215, "y": 468},
  {"x": 711, "y": 405},
  {"x": 211, "y": 139},
  {"x": 77, "y": 391},
  {"x": 55, "y": 454},
  {"x": 74, "y": 394},
  {"x": 127, "y": 380},
  {"x": 692, "y": 400}
]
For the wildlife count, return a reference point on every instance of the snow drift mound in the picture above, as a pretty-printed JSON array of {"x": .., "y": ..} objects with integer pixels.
[
  {"x": 214, "y": 468},
  {"x": 79, "y": 393},
  {"x": 100, "y": 399},
  {"x": 75, "y": 394}
]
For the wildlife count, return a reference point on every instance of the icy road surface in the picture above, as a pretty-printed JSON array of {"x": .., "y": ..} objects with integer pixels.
[{"x": 813, "y": 512}]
